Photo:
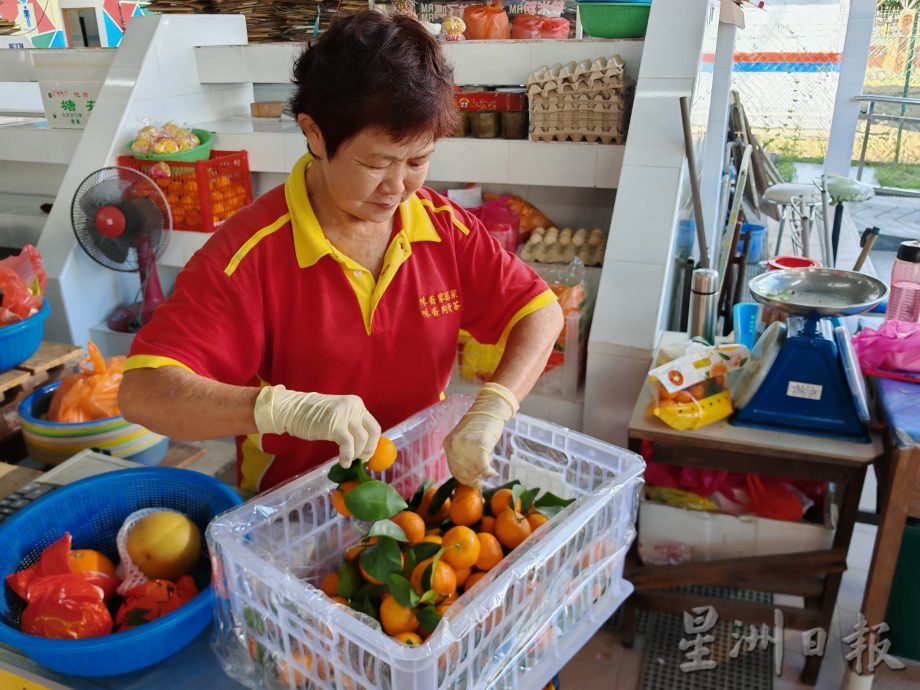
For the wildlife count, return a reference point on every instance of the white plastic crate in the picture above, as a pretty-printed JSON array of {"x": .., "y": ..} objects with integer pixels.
[{"x": 275, "y": 629}]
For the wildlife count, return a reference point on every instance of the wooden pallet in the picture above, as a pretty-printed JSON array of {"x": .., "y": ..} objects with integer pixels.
[{"x": 51, "y": 362}]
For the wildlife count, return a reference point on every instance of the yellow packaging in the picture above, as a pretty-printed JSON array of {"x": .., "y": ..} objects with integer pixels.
[{"x": 690, "y": 391}]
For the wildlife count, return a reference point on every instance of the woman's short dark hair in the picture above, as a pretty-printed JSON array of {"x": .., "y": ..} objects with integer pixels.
[{"x": 369, "y": 70}]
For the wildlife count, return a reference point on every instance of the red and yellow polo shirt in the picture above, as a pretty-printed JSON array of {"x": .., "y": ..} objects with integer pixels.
[{"x": 269, "y": 300}]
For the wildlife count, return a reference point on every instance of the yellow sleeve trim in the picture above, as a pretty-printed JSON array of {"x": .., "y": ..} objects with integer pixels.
[
  {"x": 250, "y": 244},
  {"x": 447, "y": 207},
  {"x": 153, "y": 362},
  {"x": 544, "y": 299}
]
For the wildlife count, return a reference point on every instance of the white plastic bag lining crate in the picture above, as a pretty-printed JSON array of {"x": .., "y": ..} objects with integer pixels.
[{"x": 275, "y": 629}]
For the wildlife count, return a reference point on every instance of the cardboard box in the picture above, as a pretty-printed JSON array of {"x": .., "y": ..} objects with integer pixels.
[
  {"x": 68, "y": 104},
  {"x": 672, "y": 535},
  {"x": 474, "y": 101},
  {"x": 70, "y": 81}
]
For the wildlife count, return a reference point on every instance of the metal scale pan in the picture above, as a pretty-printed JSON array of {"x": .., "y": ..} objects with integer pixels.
[{"x": 813, "y": 384}]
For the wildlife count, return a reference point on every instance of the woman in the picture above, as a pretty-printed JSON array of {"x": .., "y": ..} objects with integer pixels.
[{"x": 330, "y": 307}]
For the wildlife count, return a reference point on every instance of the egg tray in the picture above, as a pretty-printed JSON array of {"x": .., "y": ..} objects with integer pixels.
[
  {"x": 579, "y": 120},
  {"x": 608, "y": 89},
  {"x": 555, "y": 247},
  {"x": 609, "y": 70},
  {"x": 585, "y": 104},
  {"x": 584, "y": 126},
  {"x": 603, "y": 135}
]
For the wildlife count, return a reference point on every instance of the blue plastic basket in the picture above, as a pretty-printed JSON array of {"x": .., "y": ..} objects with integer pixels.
[
  {"x": 19, "y": 341},
  {"x": 93, "y": 510}
]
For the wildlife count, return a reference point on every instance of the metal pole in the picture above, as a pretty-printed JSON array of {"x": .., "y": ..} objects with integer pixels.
[
  {"x": 865, "y": 143},
  {"x": 694, "y": 182},
  {"x": 910, "y": 64}
]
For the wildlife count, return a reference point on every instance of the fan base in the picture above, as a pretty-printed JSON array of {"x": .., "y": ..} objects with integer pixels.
[{"x": 125, "y": 318}]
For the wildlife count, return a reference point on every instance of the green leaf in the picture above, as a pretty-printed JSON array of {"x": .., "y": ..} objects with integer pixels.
[
  {"x": 516, "y": 492},
  {"x": 429, "y": 597},
  {"x": 254, "y": 620},
  {"x": 349, "y": 581},
  {"x": 373, "y": 500},
  {"x": 373, "y": 591},
  {"x": 549, "y": 504},
  {"x": 487, "y": 495},
  {"x": 356, "y": 472},
  {"x": 429, "y": 617},
  {"x": 423, "y": 550},
  {"x": 723, "y": 355},
  {"x": 527, "y": 498},
  {"x": 409, "y": 562},
  {"x": 419, "y": 494},
  {"x": 363, "y": 603},
  {"x": 381, "y": 559},
  {"x": 426, "y": 577},
  {"x": 340, "y": 475},
  {"x": 442, "y": 494},
  {"x": 402, "y": 591},
  {"x": 387, "y": 528}
]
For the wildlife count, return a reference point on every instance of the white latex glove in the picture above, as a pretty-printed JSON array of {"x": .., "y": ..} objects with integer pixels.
[
  {"x": 469, "y": 446},
  {"x": 342, "y": 419}
]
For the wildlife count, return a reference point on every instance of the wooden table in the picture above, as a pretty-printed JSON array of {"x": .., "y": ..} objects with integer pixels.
[
  {"x": 814, "y": 576},
  {"x": 898, "y": 474}
]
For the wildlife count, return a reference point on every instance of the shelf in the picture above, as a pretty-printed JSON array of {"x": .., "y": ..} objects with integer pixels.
[
  {"x": 33, "y": 141},
  {"x": 275, "y": 145},
  {"x": 21, "y": 218},
  {"x": 489, "y": 63}
]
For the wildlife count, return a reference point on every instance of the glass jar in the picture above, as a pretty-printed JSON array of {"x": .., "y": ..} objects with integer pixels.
[
  {"x": 514, "y": 124},
  {"x": 485, "y": 124}
]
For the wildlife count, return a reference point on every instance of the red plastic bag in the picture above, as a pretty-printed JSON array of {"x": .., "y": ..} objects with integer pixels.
[
  {"x": 530, "y": 216},
  {"x": 501, "y": 222},
  {"x": 485, "y": 22},
  {"x": 58, "y": 559},
  {"x": 153, "y": 599},
  {"x": 65, "y": 607},
  {"x": 530, "y": 26},
  {"x": 91, "y": 394},
  {"x": 22, "y": 282}
]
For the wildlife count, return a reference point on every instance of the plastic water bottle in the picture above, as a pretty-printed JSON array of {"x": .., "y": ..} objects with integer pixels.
[{"x": 904, "y": 298}]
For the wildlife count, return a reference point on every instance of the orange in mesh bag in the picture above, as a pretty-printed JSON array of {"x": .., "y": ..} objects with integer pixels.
[{"x": 91, "y": 394}]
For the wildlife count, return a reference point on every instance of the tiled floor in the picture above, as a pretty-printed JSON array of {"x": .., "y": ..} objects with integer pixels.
[{"x": 603, "y": 664}]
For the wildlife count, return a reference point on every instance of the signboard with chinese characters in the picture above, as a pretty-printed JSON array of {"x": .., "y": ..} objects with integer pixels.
[{"x": 69, "y": 104}]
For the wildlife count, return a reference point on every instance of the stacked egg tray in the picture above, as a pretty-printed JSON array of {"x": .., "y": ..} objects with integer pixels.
[{"x": 583, "y": 101}]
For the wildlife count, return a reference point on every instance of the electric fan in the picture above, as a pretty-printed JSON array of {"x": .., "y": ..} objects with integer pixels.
[{"x": 122, "y": 220}]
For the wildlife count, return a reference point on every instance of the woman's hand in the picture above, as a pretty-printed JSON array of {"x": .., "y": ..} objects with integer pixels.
[
  {"x": 342, "y": 419},
  {"x": 469, "y": 446}
]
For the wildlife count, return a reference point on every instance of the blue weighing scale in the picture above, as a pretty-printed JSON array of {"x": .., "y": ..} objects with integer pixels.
[{"x": 803, "y": 376}]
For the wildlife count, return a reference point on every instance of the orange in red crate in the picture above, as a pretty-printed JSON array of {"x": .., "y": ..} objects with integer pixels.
[{"x": 202, "y": 194}]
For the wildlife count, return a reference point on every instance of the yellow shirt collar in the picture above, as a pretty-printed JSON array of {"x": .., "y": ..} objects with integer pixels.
[{"x": 310, "y": 244}]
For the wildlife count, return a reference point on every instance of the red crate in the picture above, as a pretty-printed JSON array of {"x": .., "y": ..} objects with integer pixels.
[{"x": 201, "y": 194}]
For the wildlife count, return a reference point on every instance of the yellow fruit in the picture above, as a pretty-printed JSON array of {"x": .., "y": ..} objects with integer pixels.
[
  {"x": 396, "y": 618},
  {"x": 165, "y": 545}
]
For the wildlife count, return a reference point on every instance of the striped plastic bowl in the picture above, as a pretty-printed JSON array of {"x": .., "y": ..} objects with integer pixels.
[{"x": 53, "y": 442}]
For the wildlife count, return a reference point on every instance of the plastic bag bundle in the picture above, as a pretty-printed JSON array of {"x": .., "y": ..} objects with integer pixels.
[
  {"x": 531, "y": 26},
  {"x": 486, "y": 22},
  {"x": 894, "y": 346},
  {"x": 22, "y": 284},
  {"x": 92, "y": 393}
]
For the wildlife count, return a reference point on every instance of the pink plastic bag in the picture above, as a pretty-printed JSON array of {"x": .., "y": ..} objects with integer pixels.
[
  {"x": 501, "y": 222},
  {"x": 895, "y": 345}
]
